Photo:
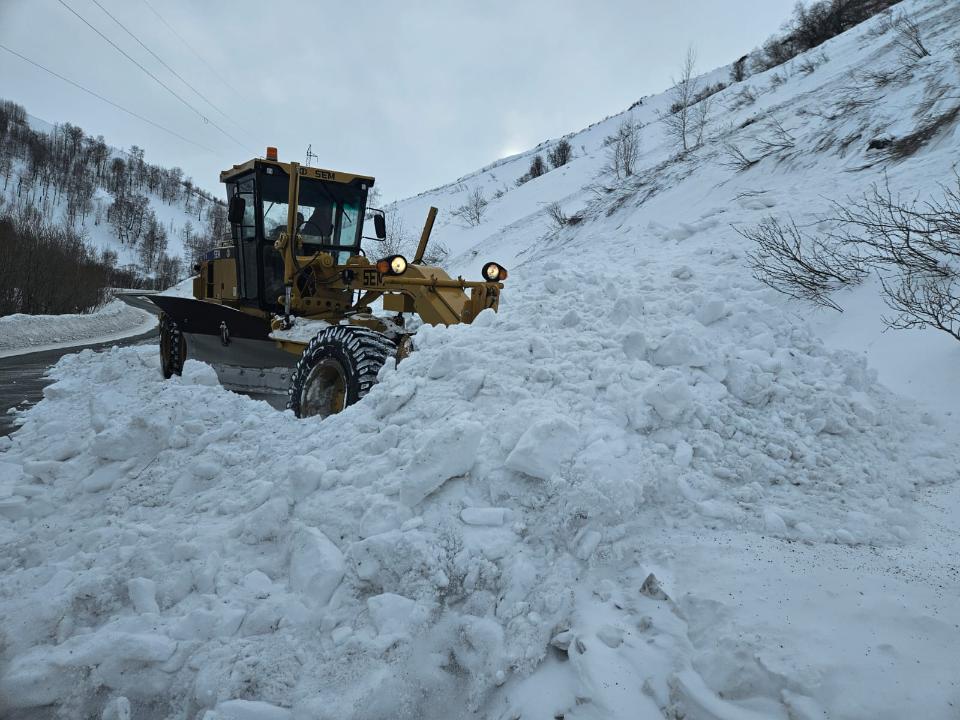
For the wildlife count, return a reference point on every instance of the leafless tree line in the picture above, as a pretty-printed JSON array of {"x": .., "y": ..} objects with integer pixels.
[{"x": 48, "y": 269}]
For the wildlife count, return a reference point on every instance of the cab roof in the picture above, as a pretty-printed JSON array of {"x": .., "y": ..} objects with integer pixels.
[{"x": 310, "y": 172}]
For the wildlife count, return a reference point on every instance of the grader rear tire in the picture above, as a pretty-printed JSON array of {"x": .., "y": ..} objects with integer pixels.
[
  {"x": 337, "y": 368},
  {"x": 173, "y": 347}
]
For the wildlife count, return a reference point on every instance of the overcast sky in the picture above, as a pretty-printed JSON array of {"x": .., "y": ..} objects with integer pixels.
[{"x": 414, "y": 93}]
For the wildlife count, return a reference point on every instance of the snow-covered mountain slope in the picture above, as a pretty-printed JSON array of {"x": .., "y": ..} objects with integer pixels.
[
  {"x": 861, "y": 89},
  {"x": 645, "y": 489}
]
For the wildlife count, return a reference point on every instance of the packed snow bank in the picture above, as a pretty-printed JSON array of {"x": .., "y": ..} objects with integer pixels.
[
  {"x": 416, "y": 555},
  {"x": 20, "y": 334}
]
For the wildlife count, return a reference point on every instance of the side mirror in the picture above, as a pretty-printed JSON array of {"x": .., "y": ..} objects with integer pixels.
[
  {"x": 236, "y": 209},
  {"x": 380, "y": 227}
]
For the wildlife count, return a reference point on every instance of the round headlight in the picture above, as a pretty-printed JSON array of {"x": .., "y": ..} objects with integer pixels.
[
  {"x": 398, "y": 264},
  {"x": 493, "y": 272}
]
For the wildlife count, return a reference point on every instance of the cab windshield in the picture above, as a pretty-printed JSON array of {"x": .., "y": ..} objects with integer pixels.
[{"x": 327, "y": 214}]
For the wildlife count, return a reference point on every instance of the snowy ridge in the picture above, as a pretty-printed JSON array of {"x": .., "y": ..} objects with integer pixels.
[{"x": 645, "y": 489}]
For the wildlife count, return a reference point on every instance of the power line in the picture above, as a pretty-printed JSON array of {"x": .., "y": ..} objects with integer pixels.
[
  {"x": 161, "y": 61},
  {"x": 150, "y": 74},
  {"x": 190, "y": 48},
  {"x": 109, "y": 102}
]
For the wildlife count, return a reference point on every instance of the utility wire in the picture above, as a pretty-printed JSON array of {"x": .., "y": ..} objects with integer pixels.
[
  {"x": 109, "y": 102},
  {"x": 161, "y": 61},
  {"x": 152, "y": 76},
  {"x": 190, "y": 48}
]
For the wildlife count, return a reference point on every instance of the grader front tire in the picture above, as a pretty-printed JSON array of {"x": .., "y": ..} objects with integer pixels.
[
  {"x": 173, "y": 347},
  {"x": 337, "y": 368}
]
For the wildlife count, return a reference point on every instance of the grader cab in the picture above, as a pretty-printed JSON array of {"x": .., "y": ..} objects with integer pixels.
[{"x": 294, "y": 301}]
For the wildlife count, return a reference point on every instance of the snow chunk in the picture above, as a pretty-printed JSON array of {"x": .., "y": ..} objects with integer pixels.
[
  {"x": 773, "y": 522},
  {"x": 711, "y": 311},
  {"x": 143, "y": 595},
  {"x": 198, "y": 373},
  {"x": 447, "y": 453},
  {"x": 670, "y": 395},
  {"x": 680, "y": 348},
  {"x": 391, "y": 614},
  {"x": 483, "y": 516},
  {"x": 544, "y": 448},
  {"x": 634, "y": 345},
  {"x": 316, "y": 565}
]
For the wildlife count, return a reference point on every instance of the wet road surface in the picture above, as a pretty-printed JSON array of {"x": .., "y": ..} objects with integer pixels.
[{"x": 22, "y": 377}]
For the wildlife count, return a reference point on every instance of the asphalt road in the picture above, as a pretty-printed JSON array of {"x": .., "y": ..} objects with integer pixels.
[{"x": 22, "y": 377}]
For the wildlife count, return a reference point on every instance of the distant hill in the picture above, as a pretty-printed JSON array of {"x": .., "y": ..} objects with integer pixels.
[{"x": 147, "y": 221}]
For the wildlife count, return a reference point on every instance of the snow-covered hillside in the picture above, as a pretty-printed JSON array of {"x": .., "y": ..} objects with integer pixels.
[
  {"x": 31, "y": 181},
  {"x": 861, "y": 89},
  {"x": 647, "y": 488}
]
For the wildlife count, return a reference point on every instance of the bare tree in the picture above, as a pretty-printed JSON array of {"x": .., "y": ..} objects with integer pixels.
[
  {"x": 678, "y": 121},
  {"x": 623, "y": 149},
  {"x": 701, "y": 116},
  {"x": 472, "y": 210},
  {"x": 803, "y": 267},
  {"x": 397, "y": 241},
  {"x": 908, "y": 37}
]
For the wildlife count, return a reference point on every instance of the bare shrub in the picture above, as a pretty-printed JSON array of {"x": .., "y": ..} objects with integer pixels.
[
  {"x": 908, "y": 38},
  {"x": 799, "y": 265},
  {"x": 915, "y": 248},
  {"x": 738, "y": 71},
  {"x": 734, "y": 157},
  {"x": 557, "y": 216},
  {"x": 436, "y": 253},
  {"x": 537, "y": 167},
  {"x": 811, "y": 62},
  {"x": 910, "y": 143},
  {"x": 880, "y": 78},
  {"x": 560, "y": 154},
  {"x": 742, "y": 98},
  {"x": 471, "y": 212},
  {"x": 623, "y": 149},
  {"x": 955, "y": 51},
  {"x": 776, "y": 140}
]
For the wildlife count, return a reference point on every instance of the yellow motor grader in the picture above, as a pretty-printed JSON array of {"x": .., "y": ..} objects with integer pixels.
[{"x": 288, "y": 303}]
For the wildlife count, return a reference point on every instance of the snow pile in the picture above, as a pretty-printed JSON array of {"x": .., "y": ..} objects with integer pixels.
[
  {"x": 427, "y": 545},
  {"x": 644, "y": 489},
  {"x": 29, "y": 333}
]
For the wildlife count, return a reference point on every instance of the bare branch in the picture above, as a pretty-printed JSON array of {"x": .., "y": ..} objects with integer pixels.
[{"x": 803, "y": 267}]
